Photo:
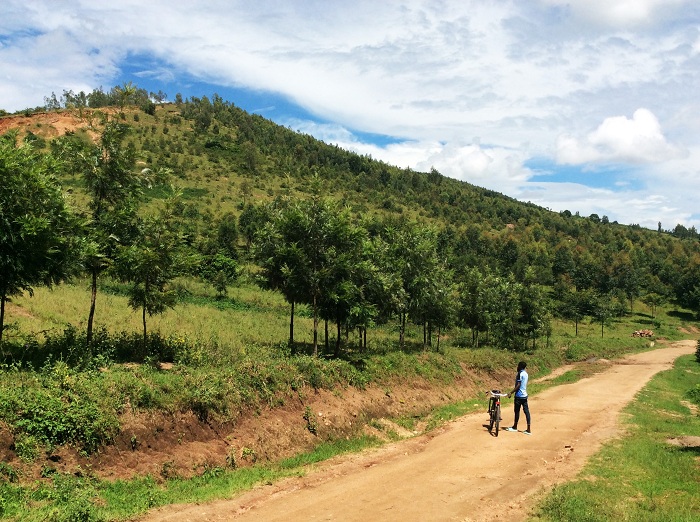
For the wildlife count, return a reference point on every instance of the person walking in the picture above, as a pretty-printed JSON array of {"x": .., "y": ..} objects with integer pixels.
[{"x": 520, "y": 392}]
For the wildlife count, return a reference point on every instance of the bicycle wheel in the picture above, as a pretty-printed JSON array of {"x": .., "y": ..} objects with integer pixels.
[
  {"x": 492, "y": 417},
  {"x": 497, "y": 415}
]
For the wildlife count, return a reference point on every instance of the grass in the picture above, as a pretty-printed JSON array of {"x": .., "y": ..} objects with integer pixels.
[{"x": 642, "y": 476}]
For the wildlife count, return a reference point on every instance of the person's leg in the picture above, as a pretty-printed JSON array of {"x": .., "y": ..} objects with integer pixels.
[
  {"x": 516, "y": 406},
  {"x": 526, "y": 410}
]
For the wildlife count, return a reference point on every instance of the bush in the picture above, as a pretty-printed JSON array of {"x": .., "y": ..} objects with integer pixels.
[
  {"x": 694, "y": 394},
  {"x": 70, "y": 347},
  {"x": 57, "y": 408}
]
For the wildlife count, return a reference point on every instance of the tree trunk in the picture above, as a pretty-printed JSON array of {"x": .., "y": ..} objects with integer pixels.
[
  {"x": 91, "y": 315},
  {"x": 402, "y": 329},
  {"x": 291, "y": 329},
  {"x": 145, "y": 335},
  {"x": 326, "y": 334},
  {"x": 2, "y": 315},
  {"x": 315, "y": 327},
  {"x": 337, "y": 339}
]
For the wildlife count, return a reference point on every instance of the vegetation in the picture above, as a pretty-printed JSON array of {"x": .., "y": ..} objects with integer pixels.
[{"x": 263, "y": 263}]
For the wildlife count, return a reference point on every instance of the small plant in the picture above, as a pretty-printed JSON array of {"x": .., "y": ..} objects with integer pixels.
[
  {"x": 311, "y": 422},
  {"x": 8, "y": 472},
  {"x": 694, "y": 394},
  {"x": 47, "y": 471},
  {"x": 231, "y": 461},
  {"x": 167, "y": 470},
  {"x": 249, "y": 454},
  {"x": 26, "y": 447}
]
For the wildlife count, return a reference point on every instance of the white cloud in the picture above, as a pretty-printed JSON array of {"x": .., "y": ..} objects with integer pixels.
[
  {"x": 620, "y": 140},
  {"x": 622, "y": 13}
]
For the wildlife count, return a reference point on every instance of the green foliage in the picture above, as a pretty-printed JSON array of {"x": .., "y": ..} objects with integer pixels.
[
  {"x": 694, "y": 394},
  {"x": 311, "y": 422},
  {"x": 61, "y": 408},
  {"x": 37, "y": 243},
  {"x": 68, "y": 347}
]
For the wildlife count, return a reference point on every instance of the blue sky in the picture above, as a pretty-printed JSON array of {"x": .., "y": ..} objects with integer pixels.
[{"x": 584, "y": 105}]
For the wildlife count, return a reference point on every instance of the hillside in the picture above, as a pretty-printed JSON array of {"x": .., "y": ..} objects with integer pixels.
[{"x": 223, "y": 159}]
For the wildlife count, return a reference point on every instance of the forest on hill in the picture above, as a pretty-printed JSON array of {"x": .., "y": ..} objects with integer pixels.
[{"x": 200, "y": 187}]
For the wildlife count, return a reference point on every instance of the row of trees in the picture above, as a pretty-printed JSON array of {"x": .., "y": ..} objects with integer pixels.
[
  {"x": 120, "y": 96},
  {"x": 351, "y": 274},
  {"x": 363, "y": 271}
]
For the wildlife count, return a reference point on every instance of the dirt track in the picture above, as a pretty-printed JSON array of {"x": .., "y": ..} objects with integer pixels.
[{"x": 460, "y": 473}]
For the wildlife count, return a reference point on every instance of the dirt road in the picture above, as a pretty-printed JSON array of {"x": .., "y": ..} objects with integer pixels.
[{"x": 460, "y": 473}]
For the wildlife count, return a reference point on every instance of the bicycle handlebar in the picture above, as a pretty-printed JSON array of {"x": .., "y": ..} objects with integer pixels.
[{"x": 497, "y": 393}]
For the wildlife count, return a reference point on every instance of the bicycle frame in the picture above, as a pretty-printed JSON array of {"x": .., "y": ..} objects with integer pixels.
[{"x": 495, "y": 411}]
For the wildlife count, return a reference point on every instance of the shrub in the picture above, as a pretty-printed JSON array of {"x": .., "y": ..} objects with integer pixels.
[
  {"x": 694, "y": 394},
  {"x": 58, "y": 408}
]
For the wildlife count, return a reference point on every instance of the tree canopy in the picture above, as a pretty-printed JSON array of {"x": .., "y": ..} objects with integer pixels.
[{"x": 37, "y": 239}]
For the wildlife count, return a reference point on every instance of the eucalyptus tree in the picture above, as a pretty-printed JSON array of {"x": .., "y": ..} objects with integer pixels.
[
  {"x": 440, "y": 308},
  {"x": 252, "y": 219},
  {"x": 498, "y": 300},
  {"x": 653, "y": 300},
  {"x": 603, "y": 310},
  {"x": 468, "y": 313},
  {"x": 37, "y": 230},
  {"x": 349, "y": 276},
  {"x": 626, "y": 275},
  {"x": 687, "y": 286},
  {"x": 276, "y": 250},
  {"x": 573, "y": 304},
  {"x": 535, "y": 309},
  {"x": 113, "y": 187}
]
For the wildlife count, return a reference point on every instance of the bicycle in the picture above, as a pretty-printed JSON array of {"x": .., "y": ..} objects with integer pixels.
[{"x": 495, "y": 411}]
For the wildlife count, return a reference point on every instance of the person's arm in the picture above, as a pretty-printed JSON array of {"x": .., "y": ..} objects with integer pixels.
[{"x": 517, "y": 387}]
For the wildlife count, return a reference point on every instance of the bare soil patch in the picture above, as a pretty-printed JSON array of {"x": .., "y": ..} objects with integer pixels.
[
  {"x": 685, "y": 442},
  {"x": 44, "y": 124}
]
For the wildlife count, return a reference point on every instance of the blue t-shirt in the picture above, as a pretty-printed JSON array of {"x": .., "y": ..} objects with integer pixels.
[{"x": 521, "y": 378}]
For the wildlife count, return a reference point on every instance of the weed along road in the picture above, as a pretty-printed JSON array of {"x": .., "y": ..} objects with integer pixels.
[{"x": 458, "y": 472}]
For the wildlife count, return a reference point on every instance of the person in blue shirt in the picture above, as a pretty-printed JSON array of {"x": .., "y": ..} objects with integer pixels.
[{"x": 520, "y": 392}]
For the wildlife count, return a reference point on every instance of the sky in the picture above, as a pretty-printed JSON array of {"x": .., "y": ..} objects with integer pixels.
[{"x": 590, "y": 106}]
